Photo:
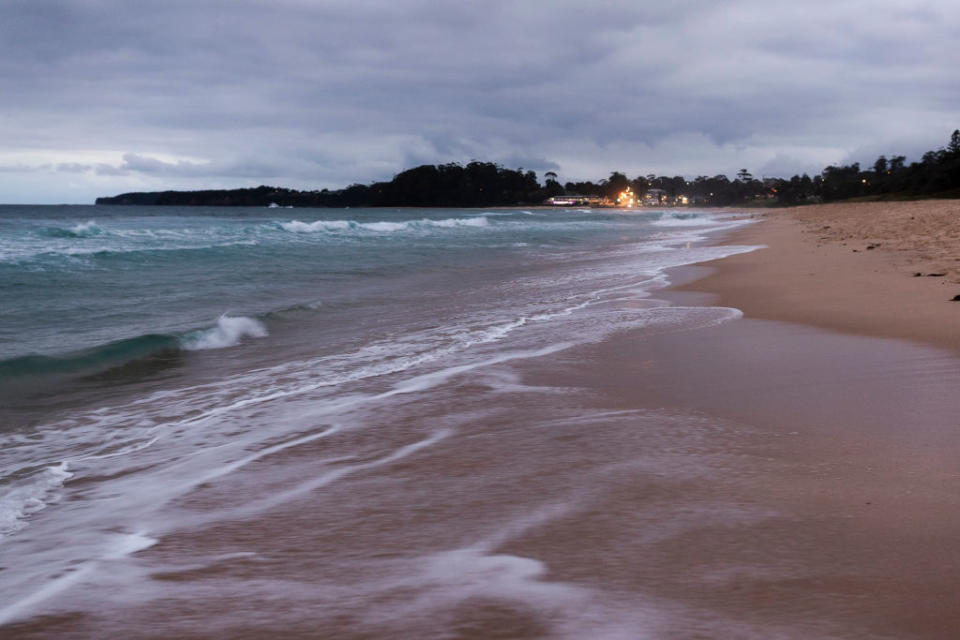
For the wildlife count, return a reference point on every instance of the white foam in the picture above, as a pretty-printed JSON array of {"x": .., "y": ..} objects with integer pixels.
[
  {"x": 125, "y": 544},
  {"x": 228, "y": 333},
  {"x": 297, "y": 226},
  {"x": 27, "y": 498},
  {"x": 435, "y": 378},
  {"x": 445, "y": 580},
  {"x": 480, "y": 221},
  {"x": 118, "y": 547},
  {"x": 384, "y": 226},
  {"x": 253, "y": 457},
  {"x": 325, "y": 479},
  {"x": 88, "y": 228}
]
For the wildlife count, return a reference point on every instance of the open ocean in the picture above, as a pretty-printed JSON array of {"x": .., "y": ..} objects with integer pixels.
[{"x": 218, "y": 420}]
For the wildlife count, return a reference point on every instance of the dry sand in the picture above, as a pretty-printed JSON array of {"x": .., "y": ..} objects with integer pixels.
[{"x": 819, "y": 269}]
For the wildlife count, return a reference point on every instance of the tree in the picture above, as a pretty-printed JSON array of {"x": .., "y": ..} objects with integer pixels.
[
  {"x": 954, "y": 146},
  {"x": 616, "y": 183},
  {"x": 744, "y": 176},
  {"x": 880, "y": 166}
]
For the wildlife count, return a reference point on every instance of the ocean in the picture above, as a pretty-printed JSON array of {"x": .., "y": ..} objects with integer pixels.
[{"x": 218, "y": 421}]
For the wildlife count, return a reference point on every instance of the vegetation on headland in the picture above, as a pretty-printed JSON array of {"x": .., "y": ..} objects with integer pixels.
[{"x": 484, "y": 184}]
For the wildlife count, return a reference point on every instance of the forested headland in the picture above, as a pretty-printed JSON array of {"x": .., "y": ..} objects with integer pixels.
[{"x": 485, "y": 184}]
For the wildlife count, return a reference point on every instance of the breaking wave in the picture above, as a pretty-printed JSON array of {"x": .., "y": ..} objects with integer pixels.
[
  {"x": 683, "y": 220},
  {"x": 229, "y": 331},
  {"x": 83, "y": 230},
  {"x": 334, "y": 226}
]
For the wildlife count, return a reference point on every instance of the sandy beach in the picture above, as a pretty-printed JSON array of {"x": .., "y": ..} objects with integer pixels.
[
  {"x": 872, "y": 445},
  {"x": 687, "y": 474},
  {"x": 879, "y": 269}
]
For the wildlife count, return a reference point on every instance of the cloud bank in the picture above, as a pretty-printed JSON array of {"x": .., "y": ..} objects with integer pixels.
[{"x": 103, "y": 96}]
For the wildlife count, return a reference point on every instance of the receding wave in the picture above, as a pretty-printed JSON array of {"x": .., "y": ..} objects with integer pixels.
[
  {"x": 334, "y": 226},
  {"x": 29, "y": 496}
]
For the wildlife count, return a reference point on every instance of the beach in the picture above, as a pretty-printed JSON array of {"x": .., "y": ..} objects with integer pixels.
[
  {"x": 556, "y": 444},
  {"x": 881, "y": 269},
  {"x": 875, "y": 451}
]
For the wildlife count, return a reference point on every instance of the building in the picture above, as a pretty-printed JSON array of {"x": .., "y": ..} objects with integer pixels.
[{"x": 573, "y": 201}]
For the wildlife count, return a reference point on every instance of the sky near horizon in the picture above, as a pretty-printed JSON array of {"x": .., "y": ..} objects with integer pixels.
[{"x": 99, "y": 97}]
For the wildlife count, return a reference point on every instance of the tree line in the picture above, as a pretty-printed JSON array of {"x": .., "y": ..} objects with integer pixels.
[
  {"x": 936, "y": 174},
  {"x": 486, "y": 184},
  {"x": 476, "y": 184}
]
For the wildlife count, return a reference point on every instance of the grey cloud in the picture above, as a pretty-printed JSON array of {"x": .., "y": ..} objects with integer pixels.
[
  {"x": 73, "y": 167},
  {"x": 323, "y": 94},
  {"x": 243, "y": 167},
  {"x": 17, "y": 168}
]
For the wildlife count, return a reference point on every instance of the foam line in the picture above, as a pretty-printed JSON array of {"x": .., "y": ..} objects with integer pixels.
[
  {"x": 238, "y": 464},
  {"x": 332, "y": 476},
  {"x": 429, "y": 380},
  {"x": 340, "y": 226}
]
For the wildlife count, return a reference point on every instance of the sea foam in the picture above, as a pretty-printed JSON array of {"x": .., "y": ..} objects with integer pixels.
[
  {"x": 85, "y": 229},
  {"x": 227, "y": 333},
  {"x": 30, "y": 497},
  {"x": 319, "y": 226},
  {"x": 683, "y": 220}
]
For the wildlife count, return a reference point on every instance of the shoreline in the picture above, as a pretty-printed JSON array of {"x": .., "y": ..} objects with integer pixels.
[
  {"x": 743, "y": 478},
  {"x": 849, "y": 268}
]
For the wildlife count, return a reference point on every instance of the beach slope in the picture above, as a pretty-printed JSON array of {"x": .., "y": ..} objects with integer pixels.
[{"x": 878, "y": 269}]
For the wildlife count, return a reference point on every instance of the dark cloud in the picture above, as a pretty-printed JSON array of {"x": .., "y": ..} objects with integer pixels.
[{"x": 176, "y": 94}]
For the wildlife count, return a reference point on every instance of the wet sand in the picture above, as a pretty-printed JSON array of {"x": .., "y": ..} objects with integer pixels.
[
  {"x": 873, "y": 432},
  {"x": 829, "y": 504},
  {"x": 754, "y": 479},
  {"x": 750, "y": 480}
]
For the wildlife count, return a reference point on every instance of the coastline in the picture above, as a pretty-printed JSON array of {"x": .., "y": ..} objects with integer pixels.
[
  {"x": 819, "y": 269},
  {"x": 845, "y": 366},
  {"x": 742, "y": 478}
]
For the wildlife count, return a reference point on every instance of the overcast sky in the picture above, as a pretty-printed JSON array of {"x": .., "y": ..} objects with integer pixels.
[{"x": 99, "y": 97}]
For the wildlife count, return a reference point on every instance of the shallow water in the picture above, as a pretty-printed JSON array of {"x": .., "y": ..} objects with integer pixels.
[{"x": 224, "y": 421}]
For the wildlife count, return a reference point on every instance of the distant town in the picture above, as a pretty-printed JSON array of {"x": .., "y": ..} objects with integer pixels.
[
  {"x": 486, "y": 184},
  {"x": 627, "y": 198}
]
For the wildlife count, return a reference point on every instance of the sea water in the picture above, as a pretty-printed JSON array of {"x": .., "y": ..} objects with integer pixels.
[{"x": 168, "y": 372}]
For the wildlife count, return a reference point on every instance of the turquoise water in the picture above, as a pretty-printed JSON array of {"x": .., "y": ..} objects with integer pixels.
[
  {"x": 77, "y": 278},
  {"x": 85, "y": 289},
  {"x": 76, "y": 281}
]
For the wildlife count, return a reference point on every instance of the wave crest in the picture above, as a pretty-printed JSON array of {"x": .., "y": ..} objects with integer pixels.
[
  {"x": 228, "y": 332},
  {"x": 86, "y": 229},
  {"x": 297, "y": 226}
]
